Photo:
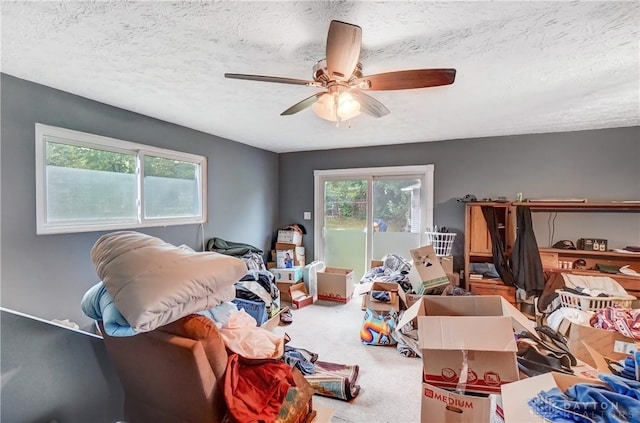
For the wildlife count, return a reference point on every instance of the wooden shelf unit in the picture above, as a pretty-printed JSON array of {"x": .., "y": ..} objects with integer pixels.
[
  {"x": 558, "y": 206},
  {"x": 476, "y": 229},
  {"x": 479, "y": 247}
]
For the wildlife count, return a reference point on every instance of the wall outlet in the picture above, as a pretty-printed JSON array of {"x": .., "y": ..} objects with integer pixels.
[{"x": 307, "y": 216}]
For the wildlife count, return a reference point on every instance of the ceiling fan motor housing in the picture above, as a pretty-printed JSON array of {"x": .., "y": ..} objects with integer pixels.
[{"x": 321, "y": 73}]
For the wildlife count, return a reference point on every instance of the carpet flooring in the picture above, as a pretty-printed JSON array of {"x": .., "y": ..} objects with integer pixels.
[{"x": 390, "y": 383}]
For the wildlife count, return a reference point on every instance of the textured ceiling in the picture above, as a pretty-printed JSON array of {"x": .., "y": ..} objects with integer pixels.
[{"x": 522, "y": 67}]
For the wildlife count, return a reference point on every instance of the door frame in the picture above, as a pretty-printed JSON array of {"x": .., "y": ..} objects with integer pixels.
[{"x": 368, "y": 174}]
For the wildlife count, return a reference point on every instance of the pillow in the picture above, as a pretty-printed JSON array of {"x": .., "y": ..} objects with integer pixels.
[{"x": 154, "y": 283}]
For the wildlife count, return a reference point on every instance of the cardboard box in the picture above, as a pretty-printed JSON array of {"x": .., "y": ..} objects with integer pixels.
[
  {"x": 445, "y": 261},
  {"x": 274, "y": 321},
  {"x": 291, "y": 237},
  {"x": 516, "y": 395},
  {"x": 287, "y": 275},
  {"x": 296, "y": 252},
  {"x": 285, "y": 258},
  {"x": 471, "y": 305},
  {"x": 440, "y": 405},
  {"x": 396, "y": 295},
  {"x": 299, "y": 295},
  {"x": 335, "y": 284},
  {"x": 434, "y": 305},
  {"x": 610, "y": 343},
  {"x": 451, "y": 345},
  {"x": 283, "y": 287},
  {"x": 376, "y": 263},
  {"x": 426, "y": 271}
]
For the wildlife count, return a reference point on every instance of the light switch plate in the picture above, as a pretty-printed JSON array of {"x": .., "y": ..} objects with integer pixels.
[{"x": 307, "y": 215}]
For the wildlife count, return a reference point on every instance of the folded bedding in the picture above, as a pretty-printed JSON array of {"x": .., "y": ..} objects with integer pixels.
[
  {"x": 153, "y": 283},
  {"x": 98, "y": 305}
]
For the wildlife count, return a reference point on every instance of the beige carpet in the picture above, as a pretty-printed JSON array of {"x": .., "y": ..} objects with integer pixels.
[{"x": 390, "y": 383}]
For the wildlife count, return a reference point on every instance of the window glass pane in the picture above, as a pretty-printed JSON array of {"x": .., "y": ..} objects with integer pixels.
[
  {"x": 171, "y": 188},
  {"x": 89, "y": 184},
  {"x": 396, "y": 205}
]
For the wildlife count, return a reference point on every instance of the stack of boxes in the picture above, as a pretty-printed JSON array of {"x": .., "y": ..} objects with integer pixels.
[
  {"x": 287, "y": 261},
  {"x": 327, "y": 283}
]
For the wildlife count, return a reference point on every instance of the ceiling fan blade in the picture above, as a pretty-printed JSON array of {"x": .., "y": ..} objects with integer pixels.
[
  {"x": 370, "y": 105},
  {"x": 264, "y": 78},
  {"x": 343, "y": 49},
  {"x": 307, "y": 102},
  {"x": 407, "y": 79}
]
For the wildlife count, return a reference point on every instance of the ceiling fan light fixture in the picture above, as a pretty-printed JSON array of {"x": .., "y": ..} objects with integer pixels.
[
  {"x": 348, "y": 107},
  {"x": 336, "y": 105}
]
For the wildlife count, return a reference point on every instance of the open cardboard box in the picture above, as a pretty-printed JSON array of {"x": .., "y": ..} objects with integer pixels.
[
  {"x": 396, "y": 294},
  {"x": 299, "y": 295},
  {"x": 611, "y": 344},
  {"x": 482, "y": 346},
  {"x": 440, "y": 405},
  {"x": 515, "y": 396},
  {"x": 441, "y": 321},
  {"x": 434, "y": 305},
  {"x": 426, "y": 269},
  {"x": 274, "y": 321},
  {"x": 471, "y": 305},
  {"x": 335, "y": 284}
]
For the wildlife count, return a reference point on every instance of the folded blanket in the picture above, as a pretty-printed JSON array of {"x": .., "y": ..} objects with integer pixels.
[
  {"x": 154, "y": 283},
  {"x": 98, "y": 305}
]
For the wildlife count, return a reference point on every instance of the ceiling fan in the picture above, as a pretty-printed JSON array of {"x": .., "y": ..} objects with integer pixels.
[{"x": 340, "y": 74}]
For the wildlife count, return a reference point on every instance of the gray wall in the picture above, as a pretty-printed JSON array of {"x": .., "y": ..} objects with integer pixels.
[
  {"x": 47, "y": 275},
  {"x": 598, "y": 165},
  {"x": 50, "y": 373}
]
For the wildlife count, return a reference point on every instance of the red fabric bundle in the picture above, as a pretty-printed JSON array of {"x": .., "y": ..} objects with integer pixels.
[{"x": 255, "y": 391}]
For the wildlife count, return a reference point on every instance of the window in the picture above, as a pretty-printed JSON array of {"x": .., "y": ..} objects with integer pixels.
[
  {"x": 87, "y": 182},
  {"x": 363, "y": 214}
]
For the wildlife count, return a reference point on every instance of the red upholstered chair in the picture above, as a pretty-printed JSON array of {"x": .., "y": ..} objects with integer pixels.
[{"x": 176, "y": 374}]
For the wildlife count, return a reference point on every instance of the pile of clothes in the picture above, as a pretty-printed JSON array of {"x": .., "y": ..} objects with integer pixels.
[{"x": 394, "y": 269}]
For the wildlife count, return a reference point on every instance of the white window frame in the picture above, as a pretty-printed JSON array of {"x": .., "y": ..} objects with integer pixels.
[
  {"x": 46, "y": 133},
  {"x": 368, "y": 174}
]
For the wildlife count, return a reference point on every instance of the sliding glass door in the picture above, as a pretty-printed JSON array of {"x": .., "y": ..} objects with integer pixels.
[{"x": 364, "y": 214}]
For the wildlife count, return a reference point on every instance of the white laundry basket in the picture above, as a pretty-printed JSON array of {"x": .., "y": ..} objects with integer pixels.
[
  {"x": 586, "y": 303},
  {"x": 441, "y": 242}
]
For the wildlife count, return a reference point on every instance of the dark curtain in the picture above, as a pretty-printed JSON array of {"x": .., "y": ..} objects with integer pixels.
[{"x": 497, "y": 246}]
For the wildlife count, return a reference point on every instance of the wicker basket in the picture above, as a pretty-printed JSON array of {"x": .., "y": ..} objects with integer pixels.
[
  {"x": 441, "y": 242},
  {"x": 585, "y": 303}
]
